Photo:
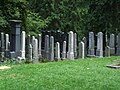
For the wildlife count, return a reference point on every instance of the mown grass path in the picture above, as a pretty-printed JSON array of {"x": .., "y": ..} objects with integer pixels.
[{"x": 84, "y": 74}]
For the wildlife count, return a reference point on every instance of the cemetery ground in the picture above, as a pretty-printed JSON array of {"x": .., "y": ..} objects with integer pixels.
[{"x": 84, "y": 74}]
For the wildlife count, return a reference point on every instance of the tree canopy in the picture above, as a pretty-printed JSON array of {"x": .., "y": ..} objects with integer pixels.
[{"x": 80, "y": 16}]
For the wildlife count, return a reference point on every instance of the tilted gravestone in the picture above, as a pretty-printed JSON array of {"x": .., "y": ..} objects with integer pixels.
[
  {"x": 15, "y": 38},
  {"x": 51, "y": 48},
  {"x": 91, "y": 50},
  {"x": 112, "y": 44},
  {"x": 64, "y": 51},
  {"x": 99, "y": 51}
]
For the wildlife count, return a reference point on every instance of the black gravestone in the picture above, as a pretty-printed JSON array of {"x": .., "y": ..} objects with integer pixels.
[{"x": 15, "y": 37}]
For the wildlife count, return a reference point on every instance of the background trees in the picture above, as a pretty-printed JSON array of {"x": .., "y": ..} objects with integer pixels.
[{"x": 80, "y": 16}]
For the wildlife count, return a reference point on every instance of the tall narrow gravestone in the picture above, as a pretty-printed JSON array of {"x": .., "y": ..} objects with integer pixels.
[
  {"x": 51, "y": 48},
  {"x": 64, "y": 51},
  {"x": 118, "y": 44},
  {"x": 15, "y": 38},
  {"x": 112, "y": 44},
  {"x": 70, "y": 53},
  {"x": 6, "y": 45},
  {"x": 99, "y": 51},
  {"x": 91, "y": 51},
  {"x": 2, "y": 48}
]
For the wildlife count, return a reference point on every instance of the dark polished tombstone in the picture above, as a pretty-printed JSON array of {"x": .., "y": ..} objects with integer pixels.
[{"x": 15, "y": 37}]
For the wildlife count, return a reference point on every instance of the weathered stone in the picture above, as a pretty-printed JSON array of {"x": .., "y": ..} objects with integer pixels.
[
  {"x": 75, "y": 45},
  {"x": 81, "y": 50},
  {"x": 118, "y": 45},
  {"x": 99, "y": 51},
  {"x": 35, "y": 51},
  {"x": 47, "y": 54},
  {"x": 64, "y": 51},
  {"x": 30, "y": 53},
  {"x": 91, "y": 50},
  {"x": 112, "y": 44},
  {"x": 51, "y": 48},
  {"x": 70, "y": 53},
  {"x": 6, "y": 45},
  {"x": 39, "y": 46},
  {"x": 57, "y": 51},
  {"x": 107, "y": 51}
]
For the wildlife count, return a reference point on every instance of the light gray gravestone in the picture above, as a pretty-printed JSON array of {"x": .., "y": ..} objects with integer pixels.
[
  {"x": 15, "y": 37},
  {"x": 57, "y": 51},
  {"x": 7, "y": 45},
  {"x": 30, "y": 53},
  {"x": 23, "y": 44},
  {"x": 70, "y": 54},
  {"x": 81, "y": 50},
  {"x": 75, "y": 45},
  {"x": 51, "y": 48},
  {"x": 47, "y": 47},
  {"x": 64, "y": 51},
  {"x": 35, "y": 51},
  {"x": 91, "y": 50},
  {"x": 99, "y": 51},
  {"x": 112, "y": 44},
  {"x": 118, "y": 44},
  {"x": 33, "y": 38},
  {"x": 85, "y": 44},
  {"x": 2, "y": 48},
  {"x": 39, "y": 45}
]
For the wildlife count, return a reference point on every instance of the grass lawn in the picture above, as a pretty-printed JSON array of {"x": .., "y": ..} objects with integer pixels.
[{"x": 84, "y": 74}]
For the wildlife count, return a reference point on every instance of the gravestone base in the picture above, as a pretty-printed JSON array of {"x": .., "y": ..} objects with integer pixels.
[
  {"x": 71, "y": 56},
  {"x": 12, "y": 55},
  {"x": 91, "y": 53},
  {"x": 63, "y": 55},
  {"x": 99, "y": 54},
  {"x": 22, "y": 54},
  {"x": 7, "y": 53},
  {"x": 118, "y": 52},
  {"x": 112, "y": 51}
]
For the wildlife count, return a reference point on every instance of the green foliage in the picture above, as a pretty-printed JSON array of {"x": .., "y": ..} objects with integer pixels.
[{"x": 35, "y": 23}]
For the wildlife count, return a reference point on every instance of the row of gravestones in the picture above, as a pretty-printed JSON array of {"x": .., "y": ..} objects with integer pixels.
[{"x": 34, "y": 51}]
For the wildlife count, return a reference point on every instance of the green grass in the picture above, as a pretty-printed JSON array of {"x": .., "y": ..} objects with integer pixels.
[{"x": 84, "y": 74}]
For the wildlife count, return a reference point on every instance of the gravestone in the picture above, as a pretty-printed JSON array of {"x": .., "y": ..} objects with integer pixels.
[
  {"x": 47, "y": 54},
  {"x": 91, "y": 50},
  {"x": 6, "y": 45},
  {"x": 23, "y": 45},
  {"x": 107, "y": 51},
  {"x": 33, "y": 38},
  {"x": 29, "y": 56},
  {"x": 39, "y": 46},
  {"x": 51, "y": 48},
  {"x": 99, "y": 51},
  {"x": 112, "y": 44},
  {"x": 85, "y": 44},
  {"x": 75, "y": 45},
  {"x": 81, "y": 50},
  {"x": 70, "y": 53},
  {"x": 57, "y": 51},
  {"x": 35, "y": 51},
  {"x": 118, "y": 44},
  {"x": 64, "y": 51},
  {"x": 2, "y": 48},
  {"x": 15, "y": 38}
]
